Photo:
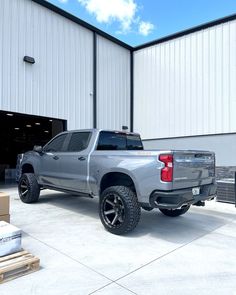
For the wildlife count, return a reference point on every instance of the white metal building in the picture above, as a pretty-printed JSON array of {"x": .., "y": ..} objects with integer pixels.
[
  {"x": 61, "y": 83},
  {"x": 185, "y": 90},
  {"x": 58, "y": 72}
]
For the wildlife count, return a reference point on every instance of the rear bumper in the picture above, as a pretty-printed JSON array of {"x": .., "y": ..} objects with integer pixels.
[{"x": 178, "y": 198}]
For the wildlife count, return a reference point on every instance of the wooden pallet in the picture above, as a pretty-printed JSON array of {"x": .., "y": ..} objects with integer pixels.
[{"x": 16, "y": 265}]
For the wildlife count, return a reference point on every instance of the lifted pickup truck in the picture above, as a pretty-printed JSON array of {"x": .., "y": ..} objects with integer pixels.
[{"x": 114, "y": 166}]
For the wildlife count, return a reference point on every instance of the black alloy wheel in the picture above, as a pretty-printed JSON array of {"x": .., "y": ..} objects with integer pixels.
[
  {"x": 113, "y": 210},
  {"x": 23, "y": 187},
  {"x": 119, "y": 209}
]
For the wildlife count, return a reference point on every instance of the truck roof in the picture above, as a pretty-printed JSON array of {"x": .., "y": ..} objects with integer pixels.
[{"x": 99, "y": 130}]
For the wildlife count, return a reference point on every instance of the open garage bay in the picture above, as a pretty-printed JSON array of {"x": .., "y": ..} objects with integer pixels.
[{"x": 19, "y": 133}]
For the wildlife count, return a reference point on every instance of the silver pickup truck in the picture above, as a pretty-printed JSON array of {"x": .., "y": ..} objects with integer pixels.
[{"x": 114, "y": 166}]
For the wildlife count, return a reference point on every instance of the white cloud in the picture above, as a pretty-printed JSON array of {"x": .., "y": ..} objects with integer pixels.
[
  {"x": 145, "y": 28},
  {"x": 107, "y": 11},
  {"x": 122, "y": 11}
]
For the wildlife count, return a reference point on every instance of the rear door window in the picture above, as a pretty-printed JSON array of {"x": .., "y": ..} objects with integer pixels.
[
  {"x": 56, "y": 144},
  {"x": 79, "y": 141}
]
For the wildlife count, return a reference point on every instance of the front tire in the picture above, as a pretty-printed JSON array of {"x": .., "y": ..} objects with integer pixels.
[
  {"x": 119, "y": 209},
  {"x": 174, "y": 212},
  {"x": 28, "y": 188}
]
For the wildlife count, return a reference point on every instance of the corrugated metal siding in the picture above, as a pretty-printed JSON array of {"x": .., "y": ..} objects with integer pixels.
[
  {"x": 60, "y": 83},
  {"x": 223, "y": 145},
  {"x": 113, "y": 85},
  {"x": 186, "y": 86}
]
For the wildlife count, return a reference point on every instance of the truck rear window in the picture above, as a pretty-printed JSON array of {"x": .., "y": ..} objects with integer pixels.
[{"x": 110, "y": 141}]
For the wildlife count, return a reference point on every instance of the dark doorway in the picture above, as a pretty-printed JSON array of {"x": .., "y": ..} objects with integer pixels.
[{"x": 19, "y": 133}]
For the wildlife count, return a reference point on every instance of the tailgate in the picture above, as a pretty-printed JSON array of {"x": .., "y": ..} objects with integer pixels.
[{"x": 193, "y": 168}]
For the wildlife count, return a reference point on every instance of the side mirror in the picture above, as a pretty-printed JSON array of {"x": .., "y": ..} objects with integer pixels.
[{"x": 38, "y": 149}]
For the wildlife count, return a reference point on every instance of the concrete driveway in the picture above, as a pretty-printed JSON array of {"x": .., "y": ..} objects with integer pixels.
[{"x": 191, "y": 254}]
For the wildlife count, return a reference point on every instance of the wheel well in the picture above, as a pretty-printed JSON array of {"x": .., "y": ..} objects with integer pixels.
[
  {"x": 116, "y": 178},
  {"x": 27, "y": 168}
]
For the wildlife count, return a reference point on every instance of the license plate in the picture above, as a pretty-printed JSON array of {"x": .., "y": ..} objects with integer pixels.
[{"x": 196, "y": 191}]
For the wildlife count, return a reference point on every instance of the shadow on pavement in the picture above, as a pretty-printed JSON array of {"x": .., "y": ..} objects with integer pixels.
[{"x": 196, "y": 222}]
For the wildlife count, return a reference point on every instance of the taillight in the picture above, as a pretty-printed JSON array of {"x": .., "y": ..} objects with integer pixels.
[{"x": 167, "y": 171}]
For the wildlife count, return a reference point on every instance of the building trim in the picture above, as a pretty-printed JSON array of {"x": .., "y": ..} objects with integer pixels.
[
  {"x": 99, "y": 32},
  {"x": 86, "y": 25},
  {"x": 186, "y": 32},
  {"x": 131, "y": 91},
  {"x": 82, "y": 23},
  {"x": 94, "y": 80},
  {"x": 190, "y": 136}
]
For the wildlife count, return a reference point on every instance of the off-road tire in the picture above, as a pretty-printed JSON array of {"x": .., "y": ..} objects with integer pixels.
[
  {"x": 123, "y": 199},
  {"x": 175, "y": 212},
  {"x": 28, "y": 188}
]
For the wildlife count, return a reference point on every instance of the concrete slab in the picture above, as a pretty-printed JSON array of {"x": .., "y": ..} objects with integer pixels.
[
  {"x": 206, "y": 266},
  {"x": 59, "y": 274},
  {"x": 113, "y": 289},
  {"x": 62, "y": 217},
  {"x": 149, "y": 259}
]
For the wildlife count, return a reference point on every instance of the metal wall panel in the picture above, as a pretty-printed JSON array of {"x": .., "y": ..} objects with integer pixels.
[
  {"x": 223, "y": 145},
  {"x": 60, "y": 83},
  {"x": 113, "y": 85},
  {"x": 186, "y": 86}
]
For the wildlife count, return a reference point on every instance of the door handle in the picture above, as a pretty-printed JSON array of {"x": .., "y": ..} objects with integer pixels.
[
  {"x": 81, "y": 158},
  {"x": 56, "y": 158}
]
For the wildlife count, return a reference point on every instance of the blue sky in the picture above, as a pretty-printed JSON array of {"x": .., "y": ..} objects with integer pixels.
[{"x": 139, "y": 21}]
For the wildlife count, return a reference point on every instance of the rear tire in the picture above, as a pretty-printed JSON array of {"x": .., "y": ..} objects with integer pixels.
[
  {"x": 174, "y": 212},
  {"x": 28, "y": 188},
  {"x": 119, "y": 209}
]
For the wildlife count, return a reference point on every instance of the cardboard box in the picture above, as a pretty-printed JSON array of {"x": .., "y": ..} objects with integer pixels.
[
  {"x": 10, "y": 239},
  {"x": 4, "y": 204},
  {"x": 5, "y": 218}
]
